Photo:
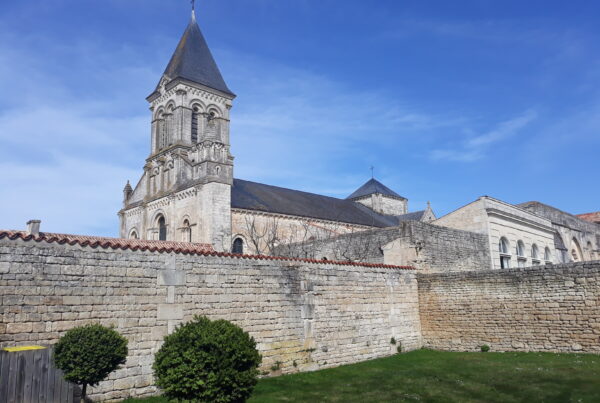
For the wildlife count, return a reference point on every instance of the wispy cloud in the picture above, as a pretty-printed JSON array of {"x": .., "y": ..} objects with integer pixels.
[
  {"x": 301, "y": 129},
  {"x": 475, "y": 147},
  {"x": 66, "y": 149}
]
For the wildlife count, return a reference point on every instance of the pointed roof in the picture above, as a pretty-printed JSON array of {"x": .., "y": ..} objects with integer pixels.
[
  {"x": 373, "y": 186},
  {"x": 194, "y": 62}
]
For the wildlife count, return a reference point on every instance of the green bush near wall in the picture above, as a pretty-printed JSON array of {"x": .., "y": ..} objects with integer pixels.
[{"x": 209, "y": 361}]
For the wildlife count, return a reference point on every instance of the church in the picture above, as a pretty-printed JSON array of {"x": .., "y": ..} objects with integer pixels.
[{"x": 188, "y": 193}]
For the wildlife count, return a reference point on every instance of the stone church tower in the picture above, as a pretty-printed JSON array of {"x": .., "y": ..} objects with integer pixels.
[{"x": 185, "y": 191}]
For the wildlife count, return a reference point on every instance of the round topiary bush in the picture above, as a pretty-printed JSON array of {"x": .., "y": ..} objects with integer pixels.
[
  {"x": 485, "y": 348},
  {"x": 210, "y": 361},
  {"x": 87, "y": 354}
]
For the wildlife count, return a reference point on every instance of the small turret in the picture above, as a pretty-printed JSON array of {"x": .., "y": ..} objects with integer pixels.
[{"x": 127, "y": 191}]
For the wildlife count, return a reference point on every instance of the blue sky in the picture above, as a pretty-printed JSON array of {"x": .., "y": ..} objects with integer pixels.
[{"x": 448, "y": 100}]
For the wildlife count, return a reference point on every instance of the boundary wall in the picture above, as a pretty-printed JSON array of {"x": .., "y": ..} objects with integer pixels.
[
  {"x": 316, "y": 314},
  {"x": 541, "y": 308},
  {"x": 428, "y": 247}
]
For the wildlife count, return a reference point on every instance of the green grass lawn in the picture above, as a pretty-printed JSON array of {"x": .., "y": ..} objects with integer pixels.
[{"x": 435, "y": 376}]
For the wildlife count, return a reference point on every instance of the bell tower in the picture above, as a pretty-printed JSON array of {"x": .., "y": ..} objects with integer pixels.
[
  {"x": 189, "y": 171},
  {"x": 190, "y": 118}
]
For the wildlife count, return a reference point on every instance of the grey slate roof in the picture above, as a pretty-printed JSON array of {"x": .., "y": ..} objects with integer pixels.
[
  {"x": 414, "y": 216},
  {"x": 373, "y": 186},
  {"x": 193, "y": 60},
  {"x": 257, "y": 196}
]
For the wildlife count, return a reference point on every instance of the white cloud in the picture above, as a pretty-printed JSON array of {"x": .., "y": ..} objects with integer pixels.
[{"x": 475, "y": 147}]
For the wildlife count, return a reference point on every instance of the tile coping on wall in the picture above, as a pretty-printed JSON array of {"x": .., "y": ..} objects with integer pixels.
[{"x": 166, "y": 247}]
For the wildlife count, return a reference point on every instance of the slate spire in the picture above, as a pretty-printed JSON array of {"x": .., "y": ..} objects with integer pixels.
[{"x": 194, "y": 62}]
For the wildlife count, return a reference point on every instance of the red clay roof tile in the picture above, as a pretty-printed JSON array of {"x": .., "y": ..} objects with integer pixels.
[{"x": 167, "y": 246}]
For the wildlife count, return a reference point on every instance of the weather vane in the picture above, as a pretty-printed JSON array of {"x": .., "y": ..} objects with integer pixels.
[
  {"x": 193, "y": 5},
  {"x": 372, "y": 172}
]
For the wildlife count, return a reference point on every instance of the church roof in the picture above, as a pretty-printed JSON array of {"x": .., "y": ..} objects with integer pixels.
[
  {"x": 194, "y": 62},
  {"x": 414, "y": 216},
  {"x": 373, "y": 186},
  {"x": 257, "y": 196}
]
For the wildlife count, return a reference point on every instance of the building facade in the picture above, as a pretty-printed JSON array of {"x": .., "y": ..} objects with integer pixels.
[
  {"x": 188, "y": 193},
  {"x": 517, "y": 238}
]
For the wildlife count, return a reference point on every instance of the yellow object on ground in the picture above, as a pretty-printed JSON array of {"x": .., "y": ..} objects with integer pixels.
[{"x": 23, "y": 348}]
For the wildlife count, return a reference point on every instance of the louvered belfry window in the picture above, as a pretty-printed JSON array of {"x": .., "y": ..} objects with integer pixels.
[{"x": 195, "y": 116}]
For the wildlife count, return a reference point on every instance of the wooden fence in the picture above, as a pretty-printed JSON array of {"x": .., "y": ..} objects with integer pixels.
[{"x": 29, "y": 375}]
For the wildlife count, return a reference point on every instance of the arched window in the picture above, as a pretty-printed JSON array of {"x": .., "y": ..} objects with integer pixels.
[
  {"x": 547, "y": 255},
  {"x": 133, "y": 234},
  {"x": 504, "y": 249},
  {"x": 238, "y": 246},
  {"x": 160, "y": 130},
  {"x": 168, "y": 140},
  {"x": 521, "y": 259},
  {"x": 195, "y": 124},
  {"x": 164, "y": 122},
  {"x": 535, "y": 255},
  {"x": 590, "y": 250},
  {"x": 576, "y": 254},
  {"x": 212, "y": 124},
  {"x": 162, "y": 229},
  {"x": 186, "y": 231}
]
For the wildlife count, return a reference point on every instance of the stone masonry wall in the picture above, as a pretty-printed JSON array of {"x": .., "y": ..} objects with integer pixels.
[
  {"x": 542, "y": 308},
  {"x": 428, "y": 247},
  {"x": 315, "y": 314}
]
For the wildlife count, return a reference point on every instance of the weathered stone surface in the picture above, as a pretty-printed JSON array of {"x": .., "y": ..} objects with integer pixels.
[
  {"x": 170, "y": 312},
  {"x": 529, "y": 309},
  {"x": 171, "y": 277},
  {"x": 428, "y": 247},
  {"x": 317, "y": 315}
]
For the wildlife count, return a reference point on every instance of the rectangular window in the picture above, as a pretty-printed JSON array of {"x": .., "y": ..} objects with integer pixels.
[
  {"x": 522, "y": 262},
  {"x": 505, "y": 262}
]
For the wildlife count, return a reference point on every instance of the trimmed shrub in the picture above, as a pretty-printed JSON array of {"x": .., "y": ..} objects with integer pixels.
[
  {"x": 393, "y": 340},
  {"x": 87, "y": 354},
  {"x": 209, "y": 361},
  {"x": 485, "y": 348}
]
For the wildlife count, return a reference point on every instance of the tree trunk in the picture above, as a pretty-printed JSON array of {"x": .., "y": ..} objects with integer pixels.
[{"x": 83, "y": 392}]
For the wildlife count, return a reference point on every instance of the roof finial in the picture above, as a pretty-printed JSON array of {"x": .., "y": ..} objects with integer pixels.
[
  {"x": 193, "y": 9},
  {"x": 372, "y": 172}
]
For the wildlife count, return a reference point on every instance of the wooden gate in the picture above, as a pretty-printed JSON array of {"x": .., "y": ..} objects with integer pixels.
[{"x": 27, "y": 374}]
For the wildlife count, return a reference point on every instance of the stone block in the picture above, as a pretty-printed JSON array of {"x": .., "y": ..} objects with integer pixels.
[
  {"x": 171, "y": 277},
  {"x": 19, "y": 328},
  {"x": 170, "y": 312},
  {"x": 4, "y": 267}
]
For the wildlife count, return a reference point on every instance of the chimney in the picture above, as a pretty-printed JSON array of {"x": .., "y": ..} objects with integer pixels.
[{"x": 33, "y": 227}]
